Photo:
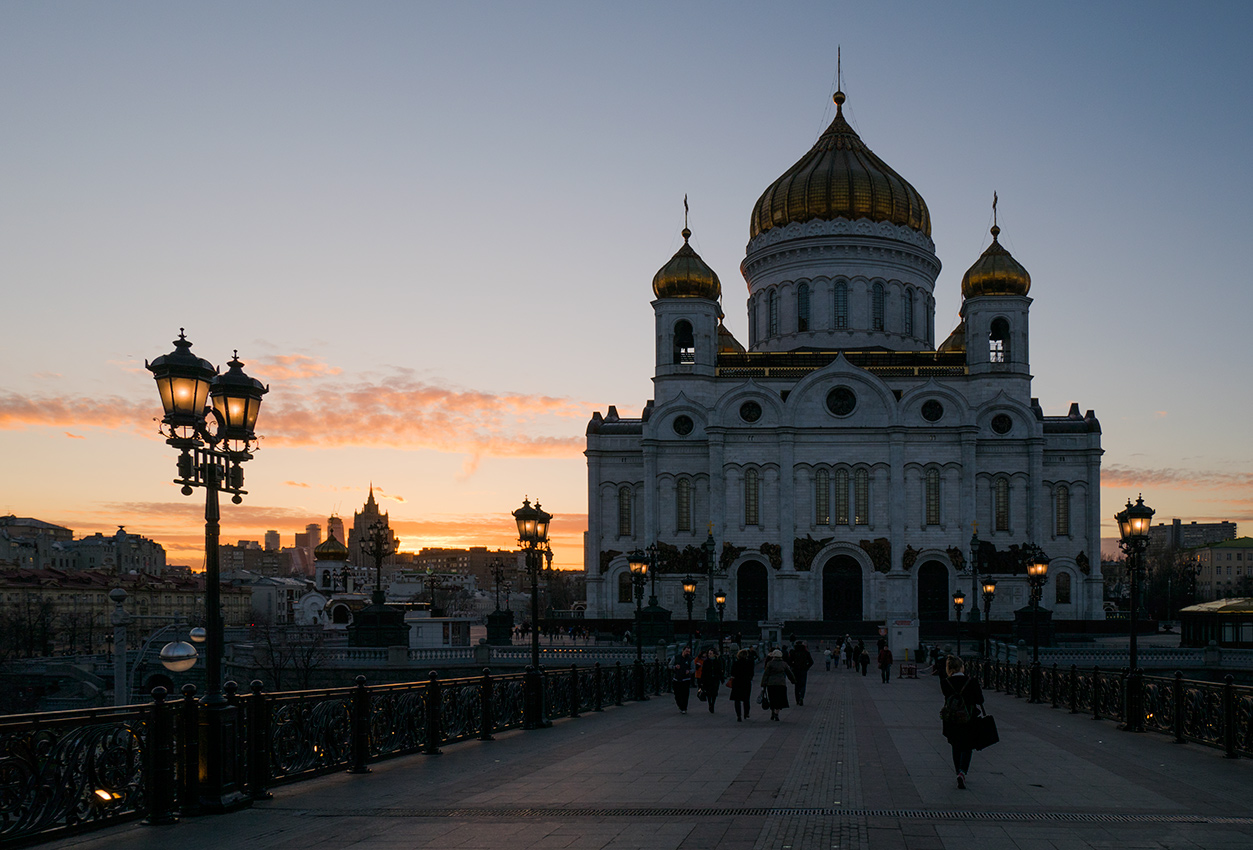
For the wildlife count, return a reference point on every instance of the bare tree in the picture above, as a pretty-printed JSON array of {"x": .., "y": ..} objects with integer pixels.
[{"x": 287, "y": 654}]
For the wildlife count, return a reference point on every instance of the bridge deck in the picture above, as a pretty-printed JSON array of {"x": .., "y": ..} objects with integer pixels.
[{"x": 861, "y": 765}]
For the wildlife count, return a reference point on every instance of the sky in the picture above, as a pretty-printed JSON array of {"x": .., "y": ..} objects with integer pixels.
[{"x": 431, "y": 229}]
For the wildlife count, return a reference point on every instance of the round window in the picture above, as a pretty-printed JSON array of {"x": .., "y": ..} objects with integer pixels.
[
  {"x": 841, "y": 401},
  {"x": 932, "y": 410},
  {"x": 683, "y": 425},
  {"x": 750, "y": 411},
  {"x": 1002, "y": 424}
]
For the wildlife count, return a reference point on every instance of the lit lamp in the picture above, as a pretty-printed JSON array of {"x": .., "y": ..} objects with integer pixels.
[
  {"x": 720, "y": 599},
  {"x": 989, "y": 593},
  {"x": 1134, "y": 522},
  {"x": 638, "y": 561},
  {"x": 959, "y": 600},
  {"x": 1037, "y": 575},
  {"x": 533, "y": 536},
  {"x": 689, "y": 596}
]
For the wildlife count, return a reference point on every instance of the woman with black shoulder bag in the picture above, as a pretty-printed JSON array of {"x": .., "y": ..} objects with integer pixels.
[{"x": 963, "y": 703}]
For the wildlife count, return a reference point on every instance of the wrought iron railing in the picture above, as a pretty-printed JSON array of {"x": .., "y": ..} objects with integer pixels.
[
  {"x": 62, "y": 772},
  {"x": 1209, "y": 713}
]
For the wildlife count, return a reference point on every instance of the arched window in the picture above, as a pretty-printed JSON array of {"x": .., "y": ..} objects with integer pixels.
[
  {"x": 624, "y": 511},
  {"x": 802, "y": 307},
  {"x": 751, "y": 497},
  {"x": 1063, "y": 589},
  {"x": 933, "y": 496},
  {"x": 772, "y": 302},
  {"x": 822, "y": 497},
  {"x": 1062, "y": 511},
  {"x": 752, "y": 320},
  {"x": 626, "y": 593},
  {"x": 841, "y": 305},
  {"x": 1000, "y": 504},
  {"x": 861, "y": 497},
  {"x": 877, "y": 308},
  {"x": 907, "y": 305},
  {"x": 998, "y": 341},
  {"x": 684, "y": 343},
  {"x": 683, "y": 506},
  {"x": 841, "y": 497}
]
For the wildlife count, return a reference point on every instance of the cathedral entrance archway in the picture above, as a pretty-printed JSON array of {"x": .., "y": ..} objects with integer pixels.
[
  {"x": 841, "y": 589},
  {"x": 933, "y": 595},
  {"x": 752, "y": 592}
]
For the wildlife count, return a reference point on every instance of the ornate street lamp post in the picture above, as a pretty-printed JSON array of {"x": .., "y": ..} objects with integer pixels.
[
  {"x": 639, "y": 575},
  {"x": 1133, "y": 527},
  {"x": 533, "y": 537},
  {"x": 989, "y": 593},
  {"x": 211, "y": 419},
  {"x": 959, "y": 600},
  {"x": 720, "y": 599},
  {"x": 689, "y": 596},
  {"x": 1037, "y": 575},
  {"x": 974, "y": 572},
  {"x": 709, "y": 550}
]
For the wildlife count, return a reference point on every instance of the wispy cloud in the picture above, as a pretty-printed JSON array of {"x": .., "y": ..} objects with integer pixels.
[
  {"x": 75, "y": 436},
  {"x": 1116, "y": 475},
  {"x": 289, "y": 367}
]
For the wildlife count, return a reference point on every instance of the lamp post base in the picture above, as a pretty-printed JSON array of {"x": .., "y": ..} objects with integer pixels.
[
  {"x": 533, "y": 700},
  {"x": 220, "y": 787}
]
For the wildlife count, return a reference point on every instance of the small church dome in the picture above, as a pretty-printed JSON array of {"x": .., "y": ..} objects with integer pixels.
[
  {"x": 840, "y": 178},
  {"x": 687, "y": 276},
  {"x": 330, "y": 549},
  {"x": 996, "y": 272}
]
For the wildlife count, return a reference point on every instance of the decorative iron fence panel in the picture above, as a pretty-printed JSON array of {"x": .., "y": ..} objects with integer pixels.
[
  {"x": 397, "y": 719},
  {"x": 310, "y": 732},
  {"x": 461, "y": 712},
  {"x": 508, "y": 702},
  {"x": 67, "y": 771}
]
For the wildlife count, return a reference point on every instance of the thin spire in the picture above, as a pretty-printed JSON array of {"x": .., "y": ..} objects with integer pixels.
[
  {"x": 686, "y": 232},
  {"x": 996, "y": 230},
  {"x": 838, "y": 97}
]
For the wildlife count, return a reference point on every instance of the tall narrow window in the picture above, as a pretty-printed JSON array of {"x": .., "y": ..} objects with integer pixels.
[
  {"x": 624, "y": 511},
  {"x": 1063, "y": 510},
  {"x": 877, "y": 307},
  {"x": 933, "y": 496},
  {"x": 752, "y": 320},
  {"x": 1063, "y": 589},
  {"x": 802, "y": 307},
  {"x": 841, "y": 497},
  {"x": 841, "y": 305},
  {"x": 751, "y": 493},
  {"x": 773, "y": 305},
  {"x": 907, "y": 304},
  {"x": 683, "y": 506},
  {"x": 684, "y": 343},
  {"x": 930, "y": 320},
  {"x": 822, "y": 497},
  {"x": 1000, "y": 504},
  {"x": 861, "y": 497},
  {"x": 626, "y": 593},
  {"x": 998, "y": 341}
]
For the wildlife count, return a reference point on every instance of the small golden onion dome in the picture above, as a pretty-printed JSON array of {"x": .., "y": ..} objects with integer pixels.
[
  {"x": 840, "y": 178},
  {"x": 330, "y": 549},
  {"x": 727, "y": 343},
  {"x": 686, "y": 276},
  {"x": 996, "y": 272},
  {"x": 956, "y": 340}
]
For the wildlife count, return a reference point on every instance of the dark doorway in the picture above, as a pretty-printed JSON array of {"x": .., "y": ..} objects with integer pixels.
[
  {"x": 933, "y": 596},
  {"x": 841, "y": 589},
  {"x": 752, "y": 593}
]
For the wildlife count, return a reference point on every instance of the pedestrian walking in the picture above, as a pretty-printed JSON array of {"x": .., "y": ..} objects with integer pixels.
[
  {"x": 711, "y": 677},
  {"x": 862, "y": 657},
  {"x": 774, "y": 678},
  {"x": 848, "y": 652},
  {"x": 885, "y": 664},
  {"x": 743, "y": 671},
  {"x": 826, "y": 654},
  {"x": 963, "y": 702},
  {"x": 801, "y": 661},
  {"x": 681, "y": 672}
]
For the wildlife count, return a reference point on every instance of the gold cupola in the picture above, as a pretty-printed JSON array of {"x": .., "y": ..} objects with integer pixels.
[
  {"x": 840, "y": 178},
  {"x": 996, "y": 272},
  {"x": 686, "y": 275}
]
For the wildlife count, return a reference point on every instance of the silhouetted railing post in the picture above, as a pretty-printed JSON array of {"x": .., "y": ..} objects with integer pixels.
[
  {"x": 258, "y": 743},
  {"x": 598, "y": 687},
  {"x": 1053, "y": 684},
  {"x": 657, "y": 683},
  {"x": 617, "y": 683},
  {"x": 487, "y": 719},
  {"x": 189, "y": 753},
  {"x": 574, "y": 690},
  {"x": 1177, "y": 699},
  {"x": 1074, "y": 689},
  {"x": 434, "y": 712},
  {"x": 1133, "y": 705},
  {"x": 1096, "y": 693},
  {"x": 1229, "y": 716},
  {"x": 159, "y": 784},
  {"x": 360, "y": 727}
]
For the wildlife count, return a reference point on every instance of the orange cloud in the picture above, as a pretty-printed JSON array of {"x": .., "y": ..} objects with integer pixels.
[
  {"x": 289, "y": 367},
  {"x": 1117, "y": 475},
  {"x": 75, "y": 436},
  {"x": 114, "y": 412}
]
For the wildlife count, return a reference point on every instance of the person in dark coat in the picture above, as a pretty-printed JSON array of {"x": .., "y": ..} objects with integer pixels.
[
  {"x": 800, "y": 661},
  {"x": 681, "y": 672},
  {"x": 961, "y": 735},
  {"x": 711, "y": 677},
  {"x": 861, "y": 657},
  {"x": 774, "y": 678},
  {"x": 885, "y": 664},
  {"x": 743, "y": 670}
]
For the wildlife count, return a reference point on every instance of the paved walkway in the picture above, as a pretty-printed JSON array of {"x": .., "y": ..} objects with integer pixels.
[{"x": 861, "y": 765}]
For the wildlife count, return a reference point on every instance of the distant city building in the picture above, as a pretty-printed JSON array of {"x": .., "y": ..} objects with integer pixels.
[
  {"x": 1225, "y": 569},
  {"x": 274, "y": 598},
  {"x": 335, "y": 528},
  {"x": 1176, "y": 535},
  {"x": 361, "y": 522},
  {"x": 248, "y": 555},
  {"x": 272, "y": 541},
  {"x": 35, "y": 544},
  {"x": 476, "y": 561},
  {"x": 120, "y": 552}
]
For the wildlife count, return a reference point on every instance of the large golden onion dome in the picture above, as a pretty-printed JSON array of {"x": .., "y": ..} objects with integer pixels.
[
  {"x": 996, "y": 272},
  {"x": 840, "y": 178},
  {"x": 686, "y": 276},
  {"x": 330, "y": 549}
]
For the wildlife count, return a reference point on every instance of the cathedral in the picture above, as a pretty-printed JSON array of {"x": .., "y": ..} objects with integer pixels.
[{"x": 841, "y": 467}]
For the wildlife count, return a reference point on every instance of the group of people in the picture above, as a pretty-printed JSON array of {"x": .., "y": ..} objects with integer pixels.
[{"x": 707, "y": 672}]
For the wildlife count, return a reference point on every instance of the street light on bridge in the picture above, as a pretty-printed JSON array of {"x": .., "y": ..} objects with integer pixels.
[{"x": 533, "y": 537}]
